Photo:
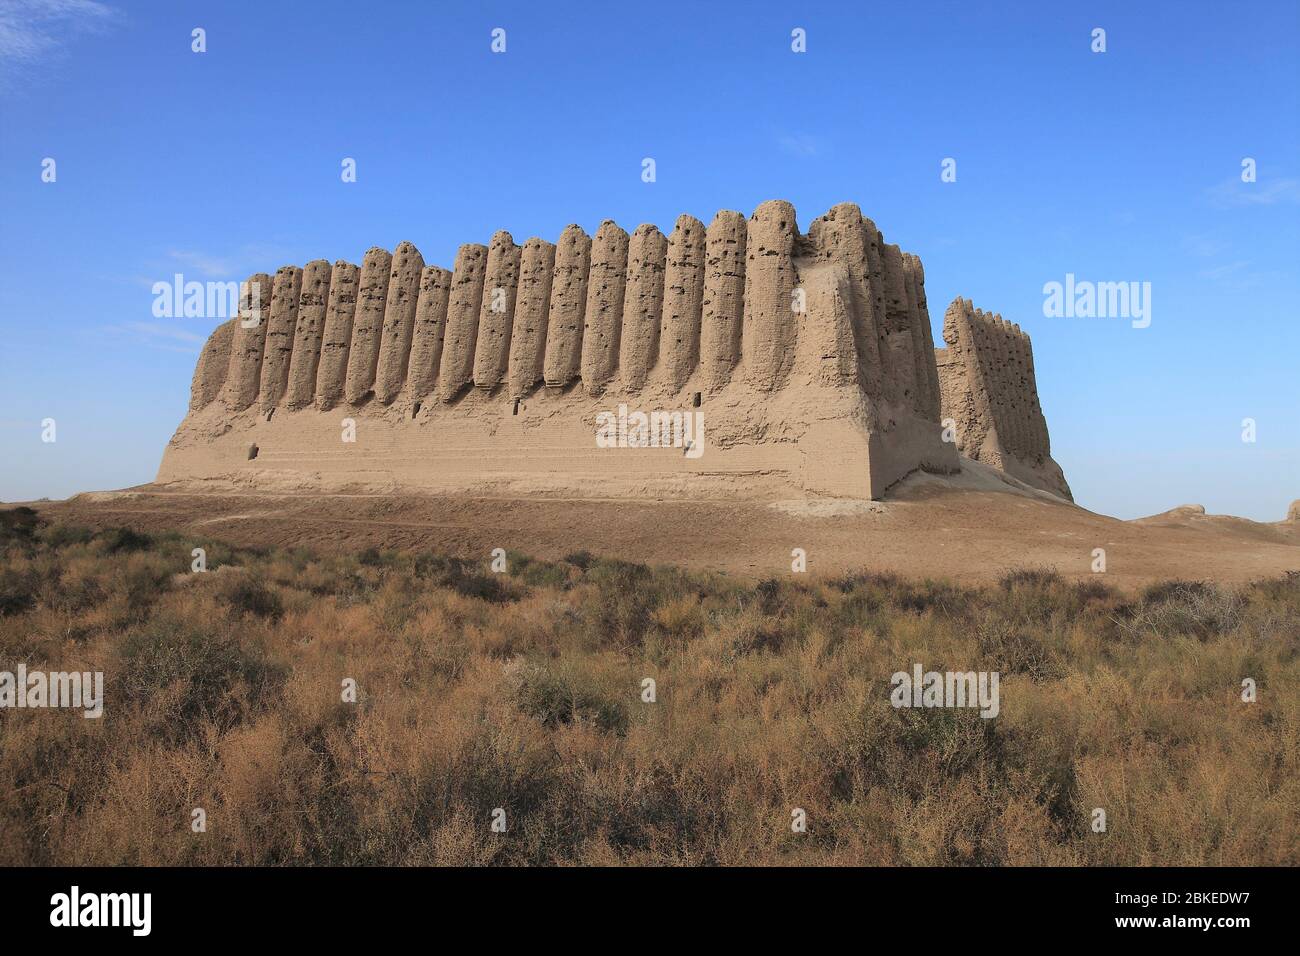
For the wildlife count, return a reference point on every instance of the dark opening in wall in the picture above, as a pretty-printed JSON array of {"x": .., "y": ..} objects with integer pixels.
[
  {"x": 516, "y": 411},
  {"x": 696, "y": 401},
  {"x": 252, "y": 452},
  {"x": 415, "y": 409},
  {"x": 269, "y": 414}
]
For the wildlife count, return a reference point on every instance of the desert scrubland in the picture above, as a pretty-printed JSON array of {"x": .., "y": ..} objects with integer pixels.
[{"x": 525, "y": 692}]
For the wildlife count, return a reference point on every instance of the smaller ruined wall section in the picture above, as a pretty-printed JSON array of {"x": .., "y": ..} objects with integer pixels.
[{"x": 986, "y": 386}]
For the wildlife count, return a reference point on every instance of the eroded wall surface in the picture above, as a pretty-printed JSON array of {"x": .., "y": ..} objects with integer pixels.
[
  {"x": 807, "y": 356},
  {"x": 989, "y": 391}
]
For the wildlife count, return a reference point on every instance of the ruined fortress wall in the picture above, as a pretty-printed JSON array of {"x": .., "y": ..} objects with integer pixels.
[
  {"x": 244, "y": 377},
  {"x": 428, "y": 331},
  {"x": 771, "y": 307},
  {"x": 603, "y": 313},
  {"x": 723, "y": 303},
  {"x": 280, "y": 330},
  {"x": 679, "y": 333},
  {"x": 532, "y": 313},
  {"x": 568, "y": 305},
  {"x": 456, "y": 369},
  {"x": 399, "y": 321},
  {"x": 927, "y": 374},
  {"x": 811, "y": 354},
  {"x": 313, "y": 302},
  {"x": 828, "y": 355},
  {"x": 902, "y": 385},
  {"x": 336, "y": 341},
  {"x": 988, "y": 389},
  {"x": 843, "y": 236},
  {"x": 497, "y": 314},
  {"x": 1038, "y": 422},
  {"x": 643, "y": 300},
  {"x": 368, "y": 323},
  {"x": 213, "y": 365}
]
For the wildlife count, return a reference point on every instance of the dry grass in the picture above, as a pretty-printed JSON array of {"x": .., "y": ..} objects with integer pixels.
[{"x": 523, "y": 691}]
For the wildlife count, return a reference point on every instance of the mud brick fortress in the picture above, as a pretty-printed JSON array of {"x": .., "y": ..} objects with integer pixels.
[{"x": 807, "y": 359}]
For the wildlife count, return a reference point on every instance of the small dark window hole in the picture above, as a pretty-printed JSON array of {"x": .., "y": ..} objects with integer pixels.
[
  {"x": 252, "y": 452},
  {"x": 696, "y": 400}
]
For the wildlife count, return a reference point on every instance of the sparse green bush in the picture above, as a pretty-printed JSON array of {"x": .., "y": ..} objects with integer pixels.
[
  {"x": 66, "y": 535},
  {"x": 247, "y": 594},
  {"x": 581, "y": 560},
  {"x": 1193, "y": 608},
  {"x": 18, "y": 589},
  {"x": 541, "y": 574},
  {"x": 18, "y": 527},
  {"x": 464, "y": 578},
  {"x": 213, "y": 675},
  {"x": 116, "y": 540},
  {"x": 559, "y": 697}
]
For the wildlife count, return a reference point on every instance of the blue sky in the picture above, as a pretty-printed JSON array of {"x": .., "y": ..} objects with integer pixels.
[{"x": 1118, "y": 166}]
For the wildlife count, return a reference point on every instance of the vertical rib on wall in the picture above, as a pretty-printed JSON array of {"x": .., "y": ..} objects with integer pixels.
[
  {"x": 430, "y": 327},
  {"x": 679, "y": 332},
  {"x": 1007, "y": 422},
  {"x": 1030, "y": 410},
  {"x": 643, "y": 300},
  {"x": 724, "y": 297},
  {"x": 568, "y": 302},
  {"x": 331, "y": 377},
  {"x": 898, "y": 331},
  {"x": 990, "y": 383},
  {"x": 313, "y": 301},
  {"x": 399, "y": 321},
  {"x": 876, "y": 283},
  {"x": 1025, "y": 389},
  {"x": 1015, "y": 395},
  {"x": 1038, "y": 423},
  {"x": 844, "y": 236},
  {"x": 928, "y": 335},
  {"x": 927, "y": 377},
  {"x": 244, "y": 376},
  {"x": 603, "y": 314},
  {"x": 497, "y": 315},
  {"x": 285, "y": 291},
  {"x": 368, "y": 323},
  {"x": 920, "y": 379},
  {"x": 967, "y": 402},
  {"x": 827, "y": 355},
  {"x": 213, "y": 366},
  {"x": 532, "y": 311},
  {"x": 769, "y": 321},
  {"x": 457, "y": 368}
]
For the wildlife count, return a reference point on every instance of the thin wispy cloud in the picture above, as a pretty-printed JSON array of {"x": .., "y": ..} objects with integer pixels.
[
  {"x": 167, "y": 336},
  {"x": 799, "y": 144},
  {"x": 34, "y": 32},
  {"x": 202, "y": 262},
  {"x": 1226, "y": 270},
  {"x": 235, "y": 264},
  {"x": 1204, "y": 247},
  {"x": 1267, "y": 192}
]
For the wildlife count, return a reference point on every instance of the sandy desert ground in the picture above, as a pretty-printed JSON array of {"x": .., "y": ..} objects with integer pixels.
[{"x": 970, "y": 529}]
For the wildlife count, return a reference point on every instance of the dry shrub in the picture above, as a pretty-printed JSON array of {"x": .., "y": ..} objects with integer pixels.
[{"x": 523, "y": 691}]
